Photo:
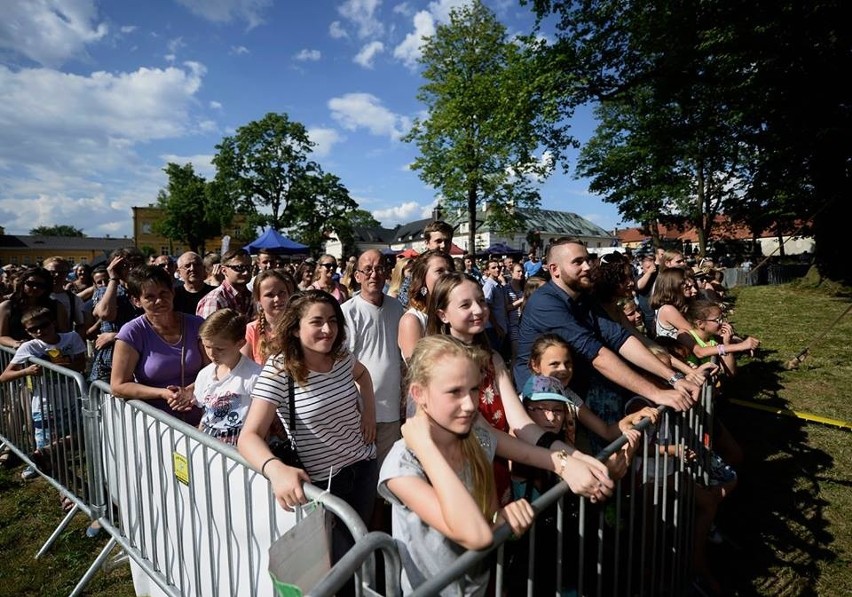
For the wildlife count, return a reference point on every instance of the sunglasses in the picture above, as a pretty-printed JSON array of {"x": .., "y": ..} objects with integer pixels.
[
  {"x": 38, "y": 326},
  {"x": 327, "y": 265},
  {"x": 369, "y": 271},
  {"x": 720, "y": 320},
  {"x": 35, "y": 284},
  {"x": 240, "y": 269}
]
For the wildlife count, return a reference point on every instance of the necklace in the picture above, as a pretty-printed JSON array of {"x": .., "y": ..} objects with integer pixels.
[{"x": 166, "y": 334}]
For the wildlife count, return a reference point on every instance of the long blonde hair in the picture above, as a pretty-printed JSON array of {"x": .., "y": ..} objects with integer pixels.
[
  {"x": 422, "y": 368},
  {"x": 398, "y": 275}
]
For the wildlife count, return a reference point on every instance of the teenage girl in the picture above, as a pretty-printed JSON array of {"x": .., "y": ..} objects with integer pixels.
[
  {"x": 457, "y": 308},
  {"x": 673, "y": 291},
  {"x": 270, "y": 292},
  {"x": 334, "y": 435},
  {"x": 438, "y": 478},
  {"x": 427, "y": 268}
]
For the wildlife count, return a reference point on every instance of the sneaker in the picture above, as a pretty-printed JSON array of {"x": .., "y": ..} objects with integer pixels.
[
  {"x": 29, "y": 473},
  {"x": 721, "y": 473}
]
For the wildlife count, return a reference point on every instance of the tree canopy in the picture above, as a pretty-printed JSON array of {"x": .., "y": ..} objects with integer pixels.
[
  {"x": 738, "y": 100},
  {"x": 487, "y": 118},
  {"x": 60, "y": 230}
]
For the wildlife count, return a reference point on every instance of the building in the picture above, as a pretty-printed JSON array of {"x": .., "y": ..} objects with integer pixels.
[
  {"x": 548, "y": 224},
  {"x": 29, "y": 250},
  {"x": 145, "y": 237}
]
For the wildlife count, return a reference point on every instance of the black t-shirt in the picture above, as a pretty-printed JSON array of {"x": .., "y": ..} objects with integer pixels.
[{"x": 187, "y": 302}]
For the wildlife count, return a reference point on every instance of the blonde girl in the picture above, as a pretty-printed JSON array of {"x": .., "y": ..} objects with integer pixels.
[
  {"x": 401, "y": 270},
  {"x": 427, "y": 268},
  {"x": 270, "y": 292},
  {"x": 711, "y": 335},
  {"x": 457, "y": 308}
]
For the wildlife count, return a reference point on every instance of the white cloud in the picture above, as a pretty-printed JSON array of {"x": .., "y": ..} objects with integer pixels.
[
  {"x": 50, "y": 32},
  {"x": 403, "y": 9},
  {"x": 128, "y": 28},
  {"x": 368, "y": 53},
  {"x": 202, "y": 163},
  {"x": 364, "y": 110},
  {"x": 225, "y": 11},
  {"x": 214, "y": 105},
  {"x": 325, "y": 139},
  {"x": 336, "y": 30},
  {"x": 398, "y": 214},
  {"x": 362, "y": 14},
  {"x": 410, "y": 49},
  {"x": 239, "y": 50},
  {"x": 67, "y": 142},
  {"x": 306, "y": 55}
]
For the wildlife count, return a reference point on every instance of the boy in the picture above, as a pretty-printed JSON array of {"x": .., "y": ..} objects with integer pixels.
[{"x": 66, "y": 349}]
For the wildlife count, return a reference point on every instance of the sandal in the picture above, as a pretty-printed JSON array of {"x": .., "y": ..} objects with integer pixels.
[
  {"x": 93, "y": 530},
  {"x": 66, "y": 503}
]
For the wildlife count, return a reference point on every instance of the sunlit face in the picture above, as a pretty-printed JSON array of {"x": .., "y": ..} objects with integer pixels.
[
  {"x": 518, "y": 272},
  {"x": 238, "y": 271},
  {"x": 690, "y": 289},
  {"x": 451, "y": 399},
  {"x": 493, "y": 269},
  {"x": 222, "y": 351},
  {"x": 318, "y": 328},
  {"x": 438, "y": 266},
  {"x": 325, "y": 270},
  {"x": 155, "y": 299},
  {"x": 266, "y": 261},
  {"x": 556, "y": 362},
  {"x": 550, "y": 415},
  {"x": 571, "y": 267},
  {"x": 371, "y": 274},
  {"x": 466, "y": 312},
  {"x": 191, "y": 269},
  {"x": 633, "y": 314},
  {"x": 677, "y": 261},
  {"x": 438, "y": 241},
  {"x": 273, "y": 295}
]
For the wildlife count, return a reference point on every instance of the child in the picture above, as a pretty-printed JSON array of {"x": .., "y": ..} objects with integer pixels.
[
  {"x": 223, "y": 387},
  {"x": 439, "y": 478},
  {"x": 270, "y": 292},
  {"x": 550, "y": 356},
  {"x": 711, "y": 335},
  {"x": 67, "y": 349}
]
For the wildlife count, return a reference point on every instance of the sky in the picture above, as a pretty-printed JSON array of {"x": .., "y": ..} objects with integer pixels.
[{"x": 97, "y": 96}]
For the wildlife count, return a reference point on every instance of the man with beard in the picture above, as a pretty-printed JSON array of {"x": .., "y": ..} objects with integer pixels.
[{"x": 601, "y": 348}]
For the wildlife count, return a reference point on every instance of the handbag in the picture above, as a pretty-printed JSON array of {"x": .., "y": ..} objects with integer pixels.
[
  {"x": 301, "y": 557},
  {"x": 282, "y": 447}
]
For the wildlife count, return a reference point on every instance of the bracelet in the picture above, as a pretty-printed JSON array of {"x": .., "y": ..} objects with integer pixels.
[
  {"x": 563, "y": 457},
  {"x": 722, "y": 350},
  {"x": 547, "y": 439},
  {"x": 675, "y": 378},
  {"x": 267, "y": 461}
]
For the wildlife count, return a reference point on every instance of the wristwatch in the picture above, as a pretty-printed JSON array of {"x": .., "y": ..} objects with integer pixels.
[{"x": 675, "y": 378}]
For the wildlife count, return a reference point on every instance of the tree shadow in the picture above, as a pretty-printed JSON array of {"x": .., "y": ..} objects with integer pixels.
[{"x": 776, "y": 534}]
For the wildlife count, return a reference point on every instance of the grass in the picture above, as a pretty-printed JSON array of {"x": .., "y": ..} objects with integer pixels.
[{"x": 787, "y": 526}]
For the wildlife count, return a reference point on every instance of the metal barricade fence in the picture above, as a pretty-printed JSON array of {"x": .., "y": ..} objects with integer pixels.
[
  {"x": 640, "y": 542},
  {"x": 43, "y": 423},
  {"x": 186, "y": 508}
]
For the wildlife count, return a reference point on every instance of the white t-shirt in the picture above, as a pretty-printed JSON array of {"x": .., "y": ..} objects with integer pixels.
[
  {"x": 62, "y": 353},
  {"x": 225, "y": 401},
  {"x": 372, "y": 334},
  {"x": 328, "y": 417}
]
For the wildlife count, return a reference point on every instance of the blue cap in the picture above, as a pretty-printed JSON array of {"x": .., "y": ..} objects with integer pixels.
[{"x": 544, "y": 387}]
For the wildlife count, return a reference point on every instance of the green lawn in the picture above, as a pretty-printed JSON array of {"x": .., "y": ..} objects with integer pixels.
[{"x": 787, "y": 526}]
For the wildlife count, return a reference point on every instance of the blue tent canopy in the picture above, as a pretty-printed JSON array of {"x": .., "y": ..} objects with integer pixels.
[
  {"x": 499, "y": 249},
  {"x": 273, "y": 241}
]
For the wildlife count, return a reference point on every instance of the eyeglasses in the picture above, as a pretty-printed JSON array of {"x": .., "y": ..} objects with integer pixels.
[
  {"x": 35, "y": 284},
  {"x": 38, "y": 326},
  {"x": 720, "y": 320},
  {"x": 557, "y": 412},
  {"x": 328, "y": 265},
  {"x": 240, "y": 269},
  {"x": 369, "y": 271}
]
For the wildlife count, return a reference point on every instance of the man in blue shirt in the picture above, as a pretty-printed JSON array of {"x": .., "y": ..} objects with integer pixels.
[
  {"x": 532, "y": 265},
  {"x": 601, "y": 348}
]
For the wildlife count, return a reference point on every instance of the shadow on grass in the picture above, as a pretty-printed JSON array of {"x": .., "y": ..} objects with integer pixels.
[{"x": 774, "y": 525}]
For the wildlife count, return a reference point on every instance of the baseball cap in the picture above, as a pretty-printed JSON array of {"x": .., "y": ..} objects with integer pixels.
[{"x": 544, "y": 387}]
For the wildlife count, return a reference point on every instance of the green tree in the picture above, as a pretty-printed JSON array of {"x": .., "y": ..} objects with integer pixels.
[
  {"x": 60, "y": 230},
  {"x": 488, "y": 115},
  {"x": 755, "y": 88},
  {"x": 265, "y": 164},
  {"x": 324, "y": 208},
  {"x": 194, "y": 210}
]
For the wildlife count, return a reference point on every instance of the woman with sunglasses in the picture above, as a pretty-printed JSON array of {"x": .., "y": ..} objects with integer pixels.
[
  {"x": 324, "y": 278},
  {"x": 32, "y": 289}
]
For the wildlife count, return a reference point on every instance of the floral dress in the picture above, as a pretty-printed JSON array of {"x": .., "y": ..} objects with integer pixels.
[{"x": 491, "y": 408}]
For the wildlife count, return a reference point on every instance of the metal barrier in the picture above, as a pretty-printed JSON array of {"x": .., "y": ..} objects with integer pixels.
[
  {"x": 640, "y": 542},
  {"x": 186, "y": 508},
  {"x": 43, "y": 423}
]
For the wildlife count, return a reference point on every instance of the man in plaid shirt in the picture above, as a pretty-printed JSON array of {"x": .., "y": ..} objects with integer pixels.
[{"x": 232, "y": 292}]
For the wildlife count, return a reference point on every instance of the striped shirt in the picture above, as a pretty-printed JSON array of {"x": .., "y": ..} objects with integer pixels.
[{"x": 328, "y": 416}]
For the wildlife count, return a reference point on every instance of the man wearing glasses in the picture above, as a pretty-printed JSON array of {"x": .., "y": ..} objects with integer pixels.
[
  {"x": 372, "y": 321},
  {"x": 194, "y": 288},
  {"x": 233, "y": 292}
]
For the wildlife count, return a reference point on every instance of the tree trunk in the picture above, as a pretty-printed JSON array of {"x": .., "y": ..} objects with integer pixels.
[{"x": 471, "y": 216}]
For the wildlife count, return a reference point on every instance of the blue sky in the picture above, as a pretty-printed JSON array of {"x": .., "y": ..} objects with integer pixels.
[{"x": 96, "y": 97}]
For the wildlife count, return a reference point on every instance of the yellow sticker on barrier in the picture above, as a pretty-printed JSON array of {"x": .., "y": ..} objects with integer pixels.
[{"x": 181, "y": 466}]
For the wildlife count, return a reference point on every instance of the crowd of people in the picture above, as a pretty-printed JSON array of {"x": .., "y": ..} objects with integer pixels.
[{"x": 434, "y": 390}]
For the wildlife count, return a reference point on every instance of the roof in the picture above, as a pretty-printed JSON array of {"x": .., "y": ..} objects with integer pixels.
[
  {"x": 72, "y": 243},
  {"x": 565, "y": 223},
  {"x": 374, "y": 234},
  {"x": 411, "y": 231},
  {"x": 722, "y": 229}
]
